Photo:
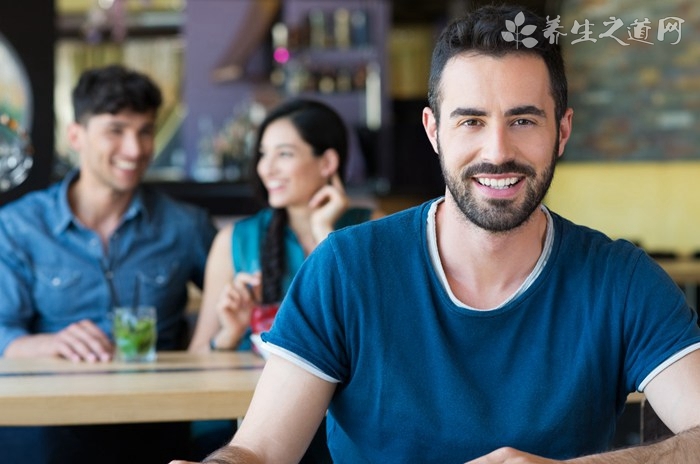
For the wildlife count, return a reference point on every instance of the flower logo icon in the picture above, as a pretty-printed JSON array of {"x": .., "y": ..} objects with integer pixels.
[{"x": 514, "y": 32}]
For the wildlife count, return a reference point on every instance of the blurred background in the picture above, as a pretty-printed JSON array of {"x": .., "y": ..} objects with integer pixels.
[{"x": 633, "y": 67}]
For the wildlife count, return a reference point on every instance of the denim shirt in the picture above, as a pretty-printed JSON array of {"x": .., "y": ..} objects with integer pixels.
[{"x": 54, "y": 271}]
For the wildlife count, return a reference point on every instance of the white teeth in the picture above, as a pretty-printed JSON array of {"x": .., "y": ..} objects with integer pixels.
[
  {"x": 274, "y": 184},
  {"x": 497, "y": 183},
  {"x": 121, "y": 164}
]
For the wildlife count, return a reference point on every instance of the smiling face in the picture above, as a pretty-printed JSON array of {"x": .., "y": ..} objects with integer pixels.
[
  {"x": 498, "y": 138},
  {"x": 288, "y": 168},
  {"x": 115, "y": 149}
]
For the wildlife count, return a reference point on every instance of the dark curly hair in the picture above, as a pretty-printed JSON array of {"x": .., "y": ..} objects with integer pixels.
[{"x": 112, "y": 89}]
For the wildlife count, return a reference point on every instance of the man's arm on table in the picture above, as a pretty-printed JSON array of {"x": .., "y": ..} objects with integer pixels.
[
  {"x": 287, "y": 408},
  {"x": 289, "y": 404},
  {"x": 675, "y": 396},
  {"x": 80, "y": 341}
]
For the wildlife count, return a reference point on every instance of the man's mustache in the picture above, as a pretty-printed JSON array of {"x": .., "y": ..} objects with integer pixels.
[{"x": 509, "y": 167}]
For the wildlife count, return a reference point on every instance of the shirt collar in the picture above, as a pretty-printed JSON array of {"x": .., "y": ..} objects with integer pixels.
[
  {"x": 431, "y": 232},
  {"x": 65, "y": 216}
]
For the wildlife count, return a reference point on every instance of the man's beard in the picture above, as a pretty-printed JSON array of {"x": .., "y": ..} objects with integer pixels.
[{"x": 499, "y": 215}]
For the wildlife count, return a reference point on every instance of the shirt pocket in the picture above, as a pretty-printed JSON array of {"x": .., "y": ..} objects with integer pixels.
[
  {"x": 58, "y": 295},
  {"x": 158, "y": 278},
  {"x": 56, "y": 280}
]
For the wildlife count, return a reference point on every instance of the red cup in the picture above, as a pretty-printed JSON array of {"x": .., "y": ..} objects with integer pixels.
[{"x": 262, "y": 317}]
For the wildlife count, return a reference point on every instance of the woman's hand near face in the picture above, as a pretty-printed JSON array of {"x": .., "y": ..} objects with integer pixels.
[
  {"x": 327, "y": 206},
  {"x": 234, "y": 308}
]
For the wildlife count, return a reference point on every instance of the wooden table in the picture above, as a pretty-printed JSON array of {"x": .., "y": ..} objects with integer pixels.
[{"x": 178, "y": 386}]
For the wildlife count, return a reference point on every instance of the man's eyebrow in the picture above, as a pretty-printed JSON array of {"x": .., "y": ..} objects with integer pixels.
[
  {"x": 526, "y": 109},
  {"x": 517, "y": 111},
  {"x": 467, "y": 112}
]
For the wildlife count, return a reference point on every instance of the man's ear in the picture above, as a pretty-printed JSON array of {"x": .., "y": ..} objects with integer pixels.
[
  {"x": 330, "y": 161},
  {"x": 565, "y": 126},
  {"x": 431, "y": 127},
  {"x": 76, "y": 133}
]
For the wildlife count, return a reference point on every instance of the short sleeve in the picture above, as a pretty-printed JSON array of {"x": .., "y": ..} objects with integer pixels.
[
  {"x": 658, "y": 322},
  {"x": 307, "y": 324}
]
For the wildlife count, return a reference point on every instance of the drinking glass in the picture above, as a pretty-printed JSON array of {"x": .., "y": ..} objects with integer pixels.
[{"x": 135, "y": 333}]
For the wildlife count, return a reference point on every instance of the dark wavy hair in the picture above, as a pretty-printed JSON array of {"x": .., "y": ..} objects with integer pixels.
[
  {"x": 320, "y": 126},
  {"x": 480, "y": 31},
  {"x": 112, "y": 89}
]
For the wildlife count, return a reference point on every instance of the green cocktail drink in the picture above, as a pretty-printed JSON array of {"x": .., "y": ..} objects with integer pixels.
[{"x": 135, "y": 333}]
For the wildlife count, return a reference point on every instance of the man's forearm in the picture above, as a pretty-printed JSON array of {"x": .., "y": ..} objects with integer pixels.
[
  {"x": 683, "y": 448},
  {"x": 30, "y": 346}
]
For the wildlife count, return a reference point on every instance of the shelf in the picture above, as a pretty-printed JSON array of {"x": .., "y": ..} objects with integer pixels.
[
  {"x": 336, "y": 56},
  {"x": 142, "y": 24}
]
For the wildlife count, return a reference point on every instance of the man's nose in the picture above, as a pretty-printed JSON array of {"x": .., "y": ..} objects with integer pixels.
[
  {"x": 497, "y": 148},
  {"x": 132, "y": 145}
]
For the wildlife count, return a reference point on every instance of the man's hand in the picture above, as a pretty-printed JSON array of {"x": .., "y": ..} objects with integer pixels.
[
  {"x": 83, "y": 341},
  {"x": 80, "y": 341},
  {"x": 227, "y": 454},
  {"x": 510, "y": 456}
]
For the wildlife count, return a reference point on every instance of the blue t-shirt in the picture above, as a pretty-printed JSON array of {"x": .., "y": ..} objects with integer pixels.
[
  {"x": 249, "y": 234},
  {"x": 54, "y": 271},
  {"x": 423, "y": 380}
]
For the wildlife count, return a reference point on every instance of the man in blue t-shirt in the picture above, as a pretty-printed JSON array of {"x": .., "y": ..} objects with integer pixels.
[
  {"x": 96, "y": 240},
  {"x": 479, "y": 327}
]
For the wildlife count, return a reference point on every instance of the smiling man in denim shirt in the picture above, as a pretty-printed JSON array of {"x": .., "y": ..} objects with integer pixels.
[{"x": 73, "y": 251}]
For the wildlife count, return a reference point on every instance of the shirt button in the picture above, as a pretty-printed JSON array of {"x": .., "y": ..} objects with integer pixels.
[
  {"x": 93, "y": 242},
  {"x": 160, "y": 279},
  {"x": 56, "y": 281}
]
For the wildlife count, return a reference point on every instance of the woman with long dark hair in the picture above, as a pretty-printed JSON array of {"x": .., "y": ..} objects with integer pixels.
[{"x": 300, "y": 156}]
